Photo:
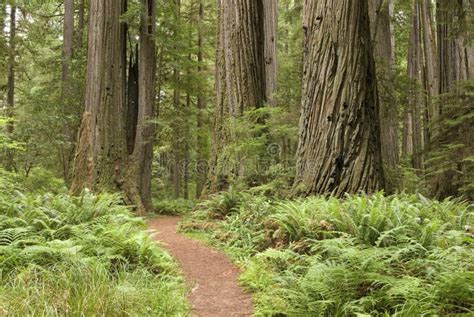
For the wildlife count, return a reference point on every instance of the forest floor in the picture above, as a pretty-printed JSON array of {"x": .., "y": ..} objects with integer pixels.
[{"x": 211, "y": 276}]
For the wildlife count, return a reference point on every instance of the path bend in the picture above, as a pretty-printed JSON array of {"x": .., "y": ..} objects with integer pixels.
[{"x": 212, "y": 278}]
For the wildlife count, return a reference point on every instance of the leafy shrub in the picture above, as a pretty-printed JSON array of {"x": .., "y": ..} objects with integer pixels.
[
  {"x": 173, "y": 207},
  {"x": 43, "y": 181},
  {"x": 359, "y": 256},
  {"x": 86, "y": 255}
]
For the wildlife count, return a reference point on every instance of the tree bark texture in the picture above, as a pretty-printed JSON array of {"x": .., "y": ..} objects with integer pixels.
[
  {"x": 431, "y": 79},
  {"x": 101, "y": 151},
  {"x": 456, "y": 65},
  {"x": 270, "y": 13},
  {"x": 456, "y": 49},
  {"x": 240, "y": 76},
  {"x": 415, "y": 101},
  {"x": 139, "y": 174},
  {"x": 381, "y": 30},
  {"x": 339, "y": 139}
]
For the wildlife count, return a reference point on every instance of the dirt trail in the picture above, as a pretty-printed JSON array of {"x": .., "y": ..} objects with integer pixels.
[{"x": 210, "y": 274}]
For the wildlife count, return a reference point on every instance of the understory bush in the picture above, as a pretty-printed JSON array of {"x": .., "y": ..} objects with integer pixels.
[
  {"x": 172, "y": 206},
  {"x": 81, "y": 256},
  {"x": 402, "y": 255}
]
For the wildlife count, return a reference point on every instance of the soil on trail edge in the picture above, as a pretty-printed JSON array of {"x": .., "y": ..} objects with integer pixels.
[{"x": 214, "y": 290}]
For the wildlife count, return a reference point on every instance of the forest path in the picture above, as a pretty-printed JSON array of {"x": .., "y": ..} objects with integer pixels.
[{"x": 210, "y": 274}]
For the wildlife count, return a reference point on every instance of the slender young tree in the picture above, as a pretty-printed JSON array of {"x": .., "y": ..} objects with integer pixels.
[
  {"x": 68, "y": 38},
  {"x": 11, "y": 65},
  {"x": 200, "y": 104},
  {"x": 177, "y": 148},
  {"x": 100, "y": 156},
  {"x": 11, "y": 68},
  {"x": 339, "y": 139},
  {"x": 68, "y": 49}
]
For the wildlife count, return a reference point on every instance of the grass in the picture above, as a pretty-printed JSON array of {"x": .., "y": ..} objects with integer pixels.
[
  {"x": 360, "y": 256},
  {"x": 81, "y": 256}
]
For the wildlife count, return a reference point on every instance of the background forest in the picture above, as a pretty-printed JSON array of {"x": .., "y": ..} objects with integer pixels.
[
  {"x": 316, "y": 143},
  {"x": 423, "y": 83}
]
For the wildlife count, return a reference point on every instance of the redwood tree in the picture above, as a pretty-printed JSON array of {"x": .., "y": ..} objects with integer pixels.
[
  {"x": 339, "y": 139},
  {"x": 240, "y": 76},
  {"x": 382, "y": 35},
  {"x": 139, "y": 174},
  {"x": 101, "y": 150}
]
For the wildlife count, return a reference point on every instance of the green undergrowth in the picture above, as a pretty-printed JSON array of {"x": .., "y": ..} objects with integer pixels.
[
  {"x": 172, "y": 206},
  {"x": 359, "y": 256},
  {"x": 81, "y": 256}
]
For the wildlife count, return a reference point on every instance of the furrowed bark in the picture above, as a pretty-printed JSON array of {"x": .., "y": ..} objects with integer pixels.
[
  {"x": 339, "y": 144},
  {"x": 139, "y": 173},
  {"x": 100, "y": 156},
  {"x": 381, "y": 29},
  {"x": 240, "y": 78}
]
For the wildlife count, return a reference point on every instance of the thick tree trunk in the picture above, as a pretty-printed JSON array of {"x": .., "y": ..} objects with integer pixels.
[
  {"x": 139, "y": 173},
  {"x": 240, "y": 77},
  {"x": 101, "y": 151},
  {"x": 270, "y": 13},
  {"x": 381, "y": 30},
  {"x": 339, "y": 144}
]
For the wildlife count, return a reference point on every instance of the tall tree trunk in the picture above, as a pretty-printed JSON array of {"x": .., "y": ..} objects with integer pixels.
[
  {"x": 81, "y": 22},
  {"x": 9, "y": 164},
  {"x": 381, "y": 30},
  {"x": 240, "y": 77},
  {"x": 431, "y": 80},
  {"x": 201, "y": 165},
  {"x": 68, "y": 49},
  {"x": 101, "y": 151},
  {"x": 187, "y": 148},
  {"x": 11, "y": 70},
  {"x": 139, "y": 173},
  {"x": 415, "y": 98},
  {"x": 68, "y": 39},
  {"x": 339, "y": 141},
  {"x": 270, "y": 13},
  {"x": 177, "y": 148}
]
